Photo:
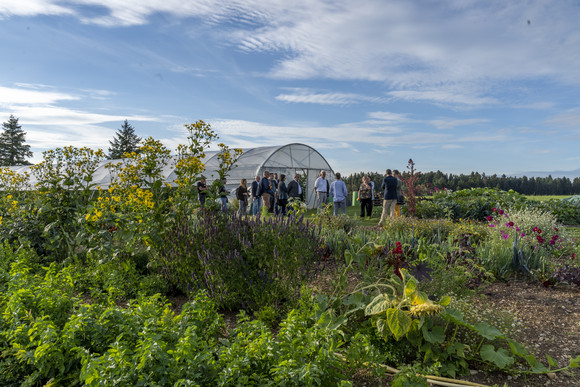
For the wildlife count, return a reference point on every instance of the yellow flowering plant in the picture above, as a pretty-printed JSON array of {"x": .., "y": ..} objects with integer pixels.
[{"x": 65, "y": 188}]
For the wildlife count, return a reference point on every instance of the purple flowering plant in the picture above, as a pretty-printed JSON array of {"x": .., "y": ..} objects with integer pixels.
[{"x": 534, "y": 237}]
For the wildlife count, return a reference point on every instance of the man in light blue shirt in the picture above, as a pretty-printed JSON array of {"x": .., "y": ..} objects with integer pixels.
[{"x": 339, "y": 194}]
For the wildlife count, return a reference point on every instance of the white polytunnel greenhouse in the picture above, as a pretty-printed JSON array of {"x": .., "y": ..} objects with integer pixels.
[{"x": 281, "y": 159}]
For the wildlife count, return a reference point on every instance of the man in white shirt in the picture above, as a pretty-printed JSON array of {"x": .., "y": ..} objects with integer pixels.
[{"x": 321, "y": 189}]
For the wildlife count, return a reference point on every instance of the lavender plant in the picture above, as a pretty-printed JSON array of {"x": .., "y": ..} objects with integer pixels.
[{"x": 241, "y": 261}]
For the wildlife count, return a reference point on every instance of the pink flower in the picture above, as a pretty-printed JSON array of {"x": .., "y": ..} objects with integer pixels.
[
  {"x": 555, "y": 237},
  {"x": 540, "y": 239},
  {"x": 490, "y": 218},
  {"x": 492, "y": 225},
  {"x": 505, "y": 236},
  {"x": 517, "y": 229},
  {"x": 500, "y": 212},
  {"x": 523, "y": 234},
  {"x": 555, "y": 229},
  {"x": 552, "y": 242},
  {"x": 494, "y": 209}
]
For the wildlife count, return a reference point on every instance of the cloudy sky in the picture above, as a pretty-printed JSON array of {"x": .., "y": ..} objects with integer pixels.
[{"x": 459, "y": 86}]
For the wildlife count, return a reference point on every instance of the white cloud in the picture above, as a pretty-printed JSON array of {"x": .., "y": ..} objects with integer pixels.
[
  {"x": 16, "y": 96},
  {"x": 48, "y": 124},
  {"x": 450, "y": 123},
  {"x": 441, "y": 96},
  {"x": 32, "y": 8},
  {"x": 390, "y": 116},
  {"x": 448, "y": 52},
  {"x": 452, "y": 146},
  {"x": 331, "y": 98}
]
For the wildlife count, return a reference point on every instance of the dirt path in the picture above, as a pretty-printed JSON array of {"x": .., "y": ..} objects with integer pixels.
[{"x": 551, "y": 325}]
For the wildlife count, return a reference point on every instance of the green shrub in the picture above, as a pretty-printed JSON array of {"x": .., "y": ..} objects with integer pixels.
[
  {"x": 566, "y": 211},
  {"x": 473, "y": 203}
]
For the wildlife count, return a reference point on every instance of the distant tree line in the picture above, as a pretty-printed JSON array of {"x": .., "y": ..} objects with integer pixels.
[{"x": 432, "y": 181}]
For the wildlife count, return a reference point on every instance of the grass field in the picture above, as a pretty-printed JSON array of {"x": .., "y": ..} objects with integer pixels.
[{"x": 542, "y": 198}]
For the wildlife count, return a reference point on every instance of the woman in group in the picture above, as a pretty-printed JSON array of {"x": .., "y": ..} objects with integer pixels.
[
  {"x": 242, "y": 196},
  {"x": 365, "y": 197},
  {"x": 282, "y": 194}
]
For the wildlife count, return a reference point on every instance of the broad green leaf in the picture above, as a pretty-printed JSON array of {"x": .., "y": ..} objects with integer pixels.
[
  {"x": 449, "y": 369},
  {"x": 517, "y": 348},
  {"x": 382, "y": 327},
  {"x": 410, "y": 287},
  {"x": 575, "y": 363},
  {"x": 487, "y": 331},
  {"x": 399, "y": 322},
  {"x": 501, "y": 358},
  {"x": 420, "y": 298},
  {"x": 435, "y": 335},
  {"x": 537, "y": 367},
  {"x": 551, "y": 361},
  {"x": 445, "y": 300},
  {"x": 457, "y": 348},
  {"x": 378, "y": 305},
  {"x": 454, "y": 316},
  {"x": 348, "y": 257}
]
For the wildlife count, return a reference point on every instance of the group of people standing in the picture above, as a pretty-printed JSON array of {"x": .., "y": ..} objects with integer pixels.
[
  {"x": 337, "y": 190},
  {"x": 274, "y": 194},
  {"x": 393, "y": 197},
  {"x": 269, "y": 191}
]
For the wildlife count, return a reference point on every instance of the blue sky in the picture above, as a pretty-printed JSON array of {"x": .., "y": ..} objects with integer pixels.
[{"x": 459, "y": 86}]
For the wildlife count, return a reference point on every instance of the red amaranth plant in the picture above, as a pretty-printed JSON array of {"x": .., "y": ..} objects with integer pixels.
[{"x": 410, "y": 180}]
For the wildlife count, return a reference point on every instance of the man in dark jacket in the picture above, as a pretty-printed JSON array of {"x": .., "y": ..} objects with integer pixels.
[
  {"x": 256, "y": 195},
  {"x": 267, "y": 192},
  {"x": 294, "y": 189},
  {"x": 390, "y": 196}
]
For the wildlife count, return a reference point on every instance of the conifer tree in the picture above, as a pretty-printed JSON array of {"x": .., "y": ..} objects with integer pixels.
[
  {"x": 13, "y": 150},
  {"x": 125, "y": 140}
]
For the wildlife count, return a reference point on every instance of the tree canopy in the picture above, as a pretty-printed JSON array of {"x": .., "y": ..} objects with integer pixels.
[
  {"x": 125, "y": 141},
  {"x": 13, "y": 150}
]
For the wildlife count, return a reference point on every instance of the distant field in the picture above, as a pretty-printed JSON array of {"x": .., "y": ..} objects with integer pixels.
[
  {"x": 542, "y": 198},
  {"x": 574, "y": 232}
]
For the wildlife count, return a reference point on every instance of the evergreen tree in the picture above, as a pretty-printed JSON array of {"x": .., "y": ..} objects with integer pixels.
[
  {"x": 13, "y": 150},
  {"x": 125, "y": 140}
]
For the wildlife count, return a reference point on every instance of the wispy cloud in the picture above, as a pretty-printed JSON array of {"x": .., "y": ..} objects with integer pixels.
[
  {"x": 450, "y": 123},
  {"x": 297, "y": 95},
  {"x": 452, "y": 146},
  {"x": 31, "y": 95},
  {"x": 441, "y": 96},
  {"x": 50, "y": 124},
  {"x": 567, "y": 120}
]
